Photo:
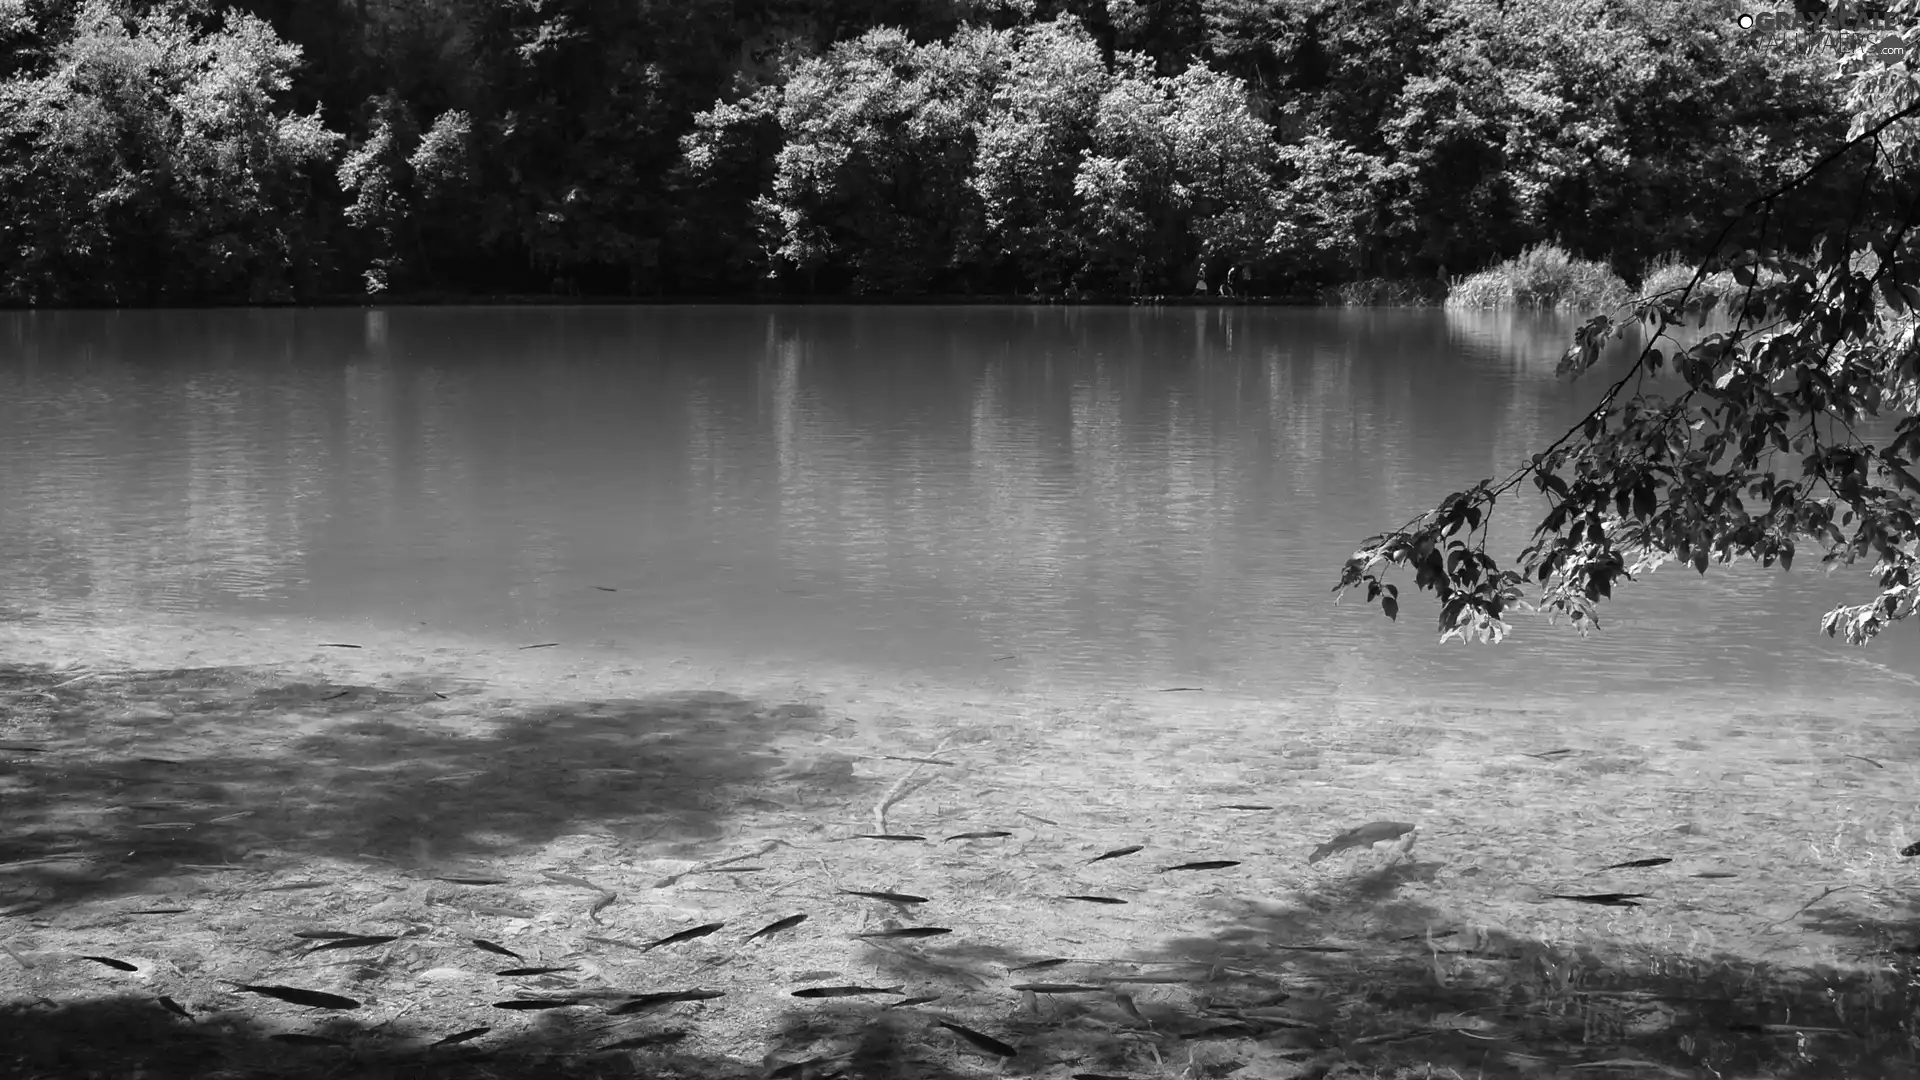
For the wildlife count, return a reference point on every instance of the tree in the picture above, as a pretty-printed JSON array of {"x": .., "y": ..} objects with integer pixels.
[
  {"x": 151, "y": 161},
  {"x": 1770, "y": 443}
]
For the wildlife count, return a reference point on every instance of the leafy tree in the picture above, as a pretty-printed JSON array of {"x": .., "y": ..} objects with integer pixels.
[
  {"x": 1795, "y": 426},
  {"x": 152, "y": 162}
]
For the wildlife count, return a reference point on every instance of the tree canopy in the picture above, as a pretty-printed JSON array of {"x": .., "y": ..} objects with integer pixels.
[
  {"x": 160, "y": 151},
  {"x": 1790, "y": 422}
]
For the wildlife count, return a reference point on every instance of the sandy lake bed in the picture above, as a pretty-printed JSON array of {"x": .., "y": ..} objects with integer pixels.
[{"x": 179, "y": 803}]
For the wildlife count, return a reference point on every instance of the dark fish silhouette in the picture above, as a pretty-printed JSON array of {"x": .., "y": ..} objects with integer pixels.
[
  {"x": 1096, "y": 899},
  {"x": 476, "y": 880},
  {"x": 354, "y": 942},
  {"x": 1546, "y": 754},
  {"x": 336, "y": 645},
  {"x": 1245, "y": 806},
  {"x": 296, "y": 1038},
  {"x": 570, "y": 879},
  {"x": 1367, "y": 835},
  {"x": 908, "y": 932},
  {"x": 532, "y": 971},
  {"x": 542, "y": 645},
  {"x": 1868, "y": 760},
  {"x": 313, "y": 999},
  {"x": 606, "y": 588},
  {"x": 1210, "y": 864},
  {"x": 1181, "y": 689},
  {"x": 980, "y": 1042},
  {"x": 325, "y": 935},
  {"x": 594, "y": 909},
  {"x": 1057, "y": 988},
  {"x": 1039, "y": 964},
  {"x": 531, "y": 1004},
  {"x": 117, "y": 965},
  {"x": 499, "y": 950},
  {"x": 1605, "y": 899},
  {"x": 336, "y": 697},
  {"x": 1723, "y": 873},
  {"x": 463, "y": 1036},
  {"x": 989, "y": 835},
  {"x": 913, "y": 1001},
  {"x": 1636, "y": 864},
  {"x": 1037, "y": 817},
  {"x": 845, "y": 991},
  {"x": 174, "y": 1007},
  {"x": 888, "y": 836},
  {"x": 158, "y": 911},
  {"x": 1910, "y": 850},
  {"x": 1116, "y": 853},
  {"x": 684, "y": 935},
  {"x": 889, "y": 897},
  {"x": 1099, "y": 1076},
  {"x": 665, "y": 997},
  {"x": 641, "y": 1042},
  {"x": 773, "y": 928}
]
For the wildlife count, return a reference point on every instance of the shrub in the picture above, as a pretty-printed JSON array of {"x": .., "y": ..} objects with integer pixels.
[{"x": 1545, "y": 276}]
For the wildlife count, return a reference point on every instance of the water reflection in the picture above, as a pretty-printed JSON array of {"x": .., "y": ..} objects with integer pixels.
[{"x": 1115, "y": 496}]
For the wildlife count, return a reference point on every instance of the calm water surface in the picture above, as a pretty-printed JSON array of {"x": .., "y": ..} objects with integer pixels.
[{"x": 1085, "y": 498}]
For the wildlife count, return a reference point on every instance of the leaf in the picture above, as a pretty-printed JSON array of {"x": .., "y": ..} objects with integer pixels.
[{"x": 1390, "y": 607}]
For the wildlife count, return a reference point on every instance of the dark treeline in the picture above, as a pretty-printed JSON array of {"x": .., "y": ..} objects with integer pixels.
[{"x": 155, "y": 153}]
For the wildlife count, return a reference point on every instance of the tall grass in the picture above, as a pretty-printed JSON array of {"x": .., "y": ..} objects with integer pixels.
[
  {"x": 1386, "y": 292},
  {"x": 1544, "y": 276}
]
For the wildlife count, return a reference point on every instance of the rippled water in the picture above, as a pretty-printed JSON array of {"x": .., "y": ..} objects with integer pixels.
[{"x": 1073, "y": 498}]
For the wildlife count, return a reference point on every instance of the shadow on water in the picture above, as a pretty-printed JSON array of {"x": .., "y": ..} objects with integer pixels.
[{"x": 256, "y": 776}]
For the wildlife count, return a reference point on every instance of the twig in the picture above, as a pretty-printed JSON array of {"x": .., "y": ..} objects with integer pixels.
[
  {"x": 1803, "y": 907},
  {"x": 899, "y": 790}
]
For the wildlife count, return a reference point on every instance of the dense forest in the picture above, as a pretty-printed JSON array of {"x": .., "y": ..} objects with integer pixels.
[{"x": 174, "y": 152}]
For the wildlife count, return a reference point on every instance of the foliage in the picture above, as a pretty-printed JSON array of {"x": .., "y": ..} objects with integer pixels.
[
  {"x": 1795, "y": 427},
  {"x": 152, "y": 161},
  {"x": 1545, "y": 276}
]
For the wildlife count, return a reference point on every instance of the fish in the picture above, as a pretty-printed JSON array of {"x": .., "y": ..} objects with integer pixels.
[
  {"x": 773, "y": 928},
  {"x": 685, "y": 935},
  {"x": 174, "y": 1007},
  {"x": 640, "y": 1042},
  {"x": 117, "y": 965},
  {"x": 542, "y": 645},
  {"x": 1098, "y": 1076},
  {"x": 22, "y": 748},
  {"x": 1636, "y": 864},
  {"x": 1182, "y": 689},
  {"x": 1868, "y": 760},
  {"x": 989, "y": 835},
  {"x": 1096, "y": 899},
  {"x": 570, "y": 879},
  {"x": 336, "y": 697},
  {"x": 889, "y": 897},
  {"x": 981, "y": 1042},
  {"x": 594, "y": 909},
  {"x": 1116, "y": 853},
  {"x": 498, "y": 950},
  {"x": 532, "y": 971},
  {"x": 1057, "y": 988},
  {"x": 476, "y": 880},
  {"x": 158, "y": 911},
  {"x": 1039, "y": 964},
  {"x": 354, "y": 942},
  {"x": 1367, "y": 835},
  {"x": 1910, "y": 850},
  {"x": 313, "y": 999},
  {"x": 1037, "y": 817},
  {"x": 1546, "y": 754},
  {"x": 19, "y": 957},
  {"x": 530, "y": 1004},
  {"x": 1128, "y": 1006},
  {"x": 1605, "y": 899},
  {"x": 463, "y": 1036},
  {"x": 665, "y": 997},
  {"x": 887, "y": 836},
  {"x": 1245, "y": 806},
  {"x": 913, "y": 1001},
  {"x": 1209, "y": 864},
  {"x": 1715, "y": 874},
  {"x": 297, "y": 1038},
  {"x": 845, "y": 991},
  {"x": 336, "y": 645},
  {"x": 908, "y": 932},
  {"x": 606, "y": 588}
]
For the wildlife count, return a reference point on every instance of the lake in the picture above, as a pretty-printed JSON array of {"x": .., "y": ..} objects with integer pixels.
[{"x": 1061, "y": 499}]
